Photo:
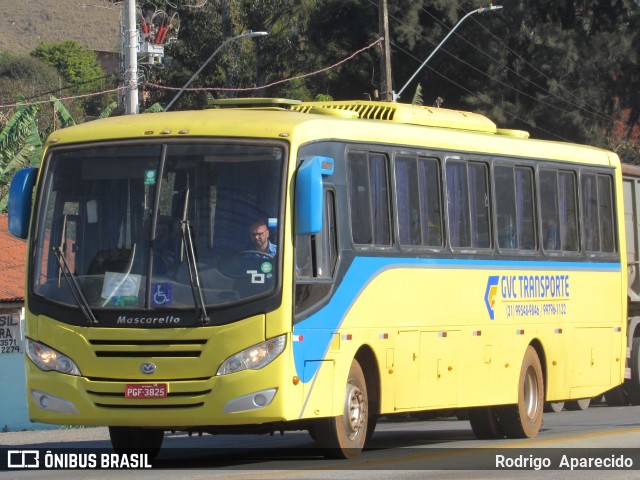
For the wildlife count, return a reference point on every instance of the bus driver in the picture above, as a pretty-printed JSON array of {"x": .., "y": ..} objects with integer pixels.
[{"x": 259, "y": 234}]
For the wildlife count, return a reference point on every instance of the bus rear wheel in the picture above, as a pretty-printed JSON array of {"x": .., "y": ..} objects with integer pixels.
[
  {"x": 344, "y": 436},
  {"x": 126, "y": 440},
  {"x": 524, "y": 419},
  {"x": 633, "y": 385}
]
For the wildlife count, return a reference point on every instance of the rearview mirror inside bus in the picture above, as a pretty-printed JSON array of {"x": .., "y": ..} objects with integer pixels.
[
  {"x": 19, "y": 205},
  {"x": 309, "y": 192}
]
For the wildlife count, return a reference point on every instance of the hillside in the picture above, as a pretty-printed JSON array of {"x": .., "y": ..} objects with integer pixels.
[{"x": 26, "y": 23}]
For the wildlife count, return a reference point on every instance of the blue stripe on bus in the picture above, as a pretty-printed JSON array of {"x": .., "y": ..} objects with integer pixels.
[{"x": 317, "y": 330}]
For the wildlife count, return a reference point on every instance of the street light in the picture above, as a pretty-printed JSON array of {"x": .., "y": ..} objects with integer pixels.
[
  {"x": 227, "y": 41},
  {"x": 396, "y": 96}
]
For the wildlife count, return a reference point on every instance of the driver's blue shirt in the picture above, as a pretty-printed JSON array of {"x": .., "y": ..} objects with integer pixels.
[{"x": 271, "y": 248}]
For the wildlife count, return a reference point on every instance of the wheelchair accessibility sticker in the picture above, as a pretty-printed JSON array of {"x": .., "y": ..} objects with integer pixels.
[{"x": 161, "y": 294}]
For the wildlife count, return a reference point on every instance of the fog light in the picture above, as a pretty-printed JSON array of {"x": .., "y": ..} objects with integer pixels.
[
  {"x": 252, "y": 401},
  {"x": 52, "y": 403}
]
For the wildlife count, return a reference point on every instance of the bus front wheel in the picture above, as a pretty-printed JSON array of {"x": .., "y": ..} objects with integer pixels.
[
  {"x": 344, "y": 436},
  {"x": 485, "y": 423},
  {"x": 524, "y": 419},
  {"x": 136, "y": 440}
]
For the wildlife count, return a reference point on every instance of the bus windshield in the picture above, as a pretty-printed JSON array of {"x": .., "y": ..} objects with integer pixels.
[{"x": 155, "y": 226}]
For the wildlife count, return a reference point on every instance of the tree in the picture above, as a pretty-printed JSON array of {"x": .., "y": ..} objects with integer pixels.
[
  {"x": 77, "y": 65},
  {"x": 550, "y": 67},
  {"x": 20, "y": 146},
  {"x": 24, "y": 76},
  {"x": 80, "y": 71}
]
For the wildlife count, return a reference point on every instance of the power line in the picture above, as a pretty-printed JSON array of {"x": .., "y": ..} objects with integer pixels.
[
  {"x": 593, "y": 112},
  {"x": 559, "y": 137},
  {"x": 305, "y": 75},
  {"x": 534, "y": 68},
  {"x": 69, "y": 87}
]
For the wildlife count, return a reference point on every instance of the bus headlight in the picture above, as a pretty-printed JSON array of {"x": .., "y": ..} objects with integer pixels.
[
  {"x": 254, "y": 357},
  {"x": 46, "y": 358}
]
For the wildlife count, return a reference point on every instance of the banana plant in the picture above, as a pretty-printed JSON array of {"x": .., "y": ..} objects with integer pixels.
[
  {"x": 20, "y": 147},
  {"x": 21, "y": 142}
]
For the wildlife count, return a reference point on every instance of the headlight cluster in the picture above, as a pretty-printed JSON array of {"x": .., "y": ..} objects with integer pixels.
[
  {"x": 46, "y": 358},
  {"x": 254, "y": 357}
]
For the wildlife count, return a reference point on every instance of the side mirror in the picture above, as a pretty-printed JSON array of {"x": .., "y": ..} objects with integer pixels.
[
  {"x": 19, "y": 205},
  {"x": 309, "y": 194}
]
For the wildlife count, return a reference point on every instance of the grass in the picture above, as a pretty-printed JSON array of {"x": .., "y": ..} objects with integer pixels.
[{"x": 26, "y": 23}]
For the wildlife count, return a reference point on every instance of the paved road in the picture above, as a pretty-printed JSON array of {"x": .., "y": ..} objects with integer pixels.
[{"x": 400, "y": 449}]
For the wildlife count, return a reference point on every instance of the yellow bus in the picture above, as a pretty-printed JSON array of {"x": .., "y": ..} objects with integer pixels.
[{"x": 271, "y": 265}]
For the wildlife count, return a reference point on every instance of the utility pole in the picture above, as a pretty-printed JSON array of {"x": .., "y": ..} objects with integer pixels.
[
  {"x": 130, "y": 45},
  {"x": 385, "y": 59}
]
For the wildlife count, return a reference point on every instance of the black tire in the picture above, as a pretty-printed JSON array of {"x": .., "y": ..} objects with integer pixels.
[
  {"x": 581, "y": 404},
  {"x": 485, "y": 423},
  {"x": 553, "y": 407},
  {"x": 371, "y": 426},
  {"x": 616, "y": 397},
  {"x": 524, "y": 419},
  {"x": 633, "y": 385},
  {"x": 136, "y": 440},
  {"x": 344, "y": 436}
]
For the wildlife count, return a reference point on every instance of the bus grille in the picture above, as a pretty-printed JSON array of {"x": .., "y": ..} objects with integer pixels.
[
  {"x": 180, "y": 395},
  {"x": 148, "y": 348}
]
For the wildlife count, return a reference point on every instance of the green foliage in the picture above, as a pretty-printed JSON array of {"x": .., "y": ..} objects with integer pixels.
[
  {"x": 20, "y": 146},
  {"x": 417, "y": 97},
  {"x": 21, "y": 142},
  {"x": 108, "y": 110},
  {"x": 64, "y": 117},
  {"x": 75, "y": 64},
  {"x": 155, "y": 108}
]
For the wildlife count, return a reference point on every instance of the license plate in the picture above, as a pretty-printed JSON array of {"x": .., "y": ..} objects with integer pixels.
[{"x": 145, "y": 390}]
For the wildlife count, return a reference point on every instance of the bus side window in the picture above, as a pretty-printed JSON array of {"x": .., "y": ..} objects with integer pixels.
[
  {"x": 514, "y": 207},
  {"x": 418, "y": 201},
  {"x": 468, "y": 204},
  {"x": 369, "y": 198},
  {"x": 597, "y": 211},
  {"x": 316, "y": 257},
  {"x": 559, "y": 210},
  {"x": 549, "y": 210}
]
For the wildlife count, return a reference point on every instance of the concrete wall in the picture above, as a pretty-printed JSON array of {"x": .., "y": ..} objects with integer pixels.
[{"x": 13, "y": 391}]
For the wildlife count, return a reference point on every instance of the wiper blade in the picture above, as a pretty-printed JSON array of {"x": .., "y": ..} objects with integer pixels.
[
  {"x": 81, "y": 300},
  {"x": 194, "y": 277}
]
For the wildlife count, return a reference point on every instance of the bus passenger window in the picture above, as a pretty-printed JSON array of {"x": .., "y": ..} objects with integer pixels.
[
  {"x": 418, "y": 201},
  {"x": 559, "y": 210},
  {"x": 605, "y": 206},
  {"x": 514, "y": 207},
  {"x": 369, "y": 198},
  {"x": 597, "y": 211},
  {"x": 549, "y": 210},
  {"x": 468, "y": 202}
]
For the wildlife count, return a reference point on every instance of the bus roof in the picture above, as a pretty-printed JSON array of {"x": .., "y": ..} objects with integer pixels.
[{"x": 359, "y": 121}]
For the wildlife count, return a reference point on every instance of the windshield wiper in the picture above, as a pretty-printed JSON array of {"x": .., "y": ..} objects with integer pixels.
[
  {"x": 81, "y": 300},
  {"x": 194, "y": 277}
]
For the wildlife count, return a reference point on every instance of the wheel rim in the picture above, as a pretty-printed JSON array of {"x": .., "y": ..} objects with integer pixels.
[
  {"x": 354, "y": 410},
  {"x": 531, "y": 393}
]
